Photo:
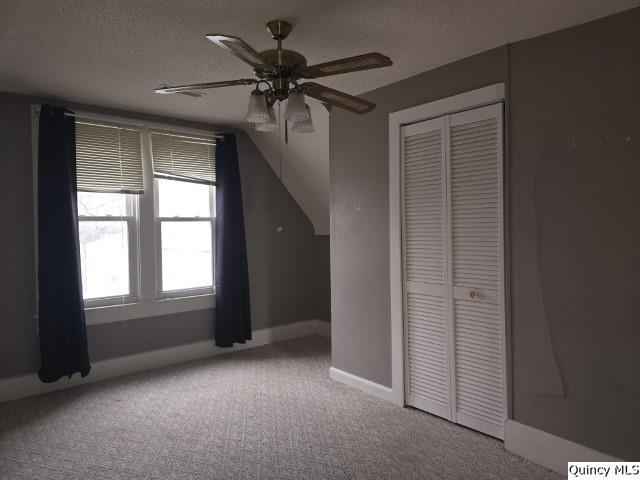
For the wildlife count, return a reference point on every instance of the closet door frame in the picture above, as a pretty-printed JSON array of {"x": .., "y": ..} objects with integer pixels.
[{"x": 466, "y": 101}]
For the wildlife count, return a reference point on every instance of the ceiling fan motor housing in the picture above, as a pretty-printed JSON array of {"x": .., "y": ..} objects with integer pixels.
[
  {"x": 285, "y": 66},
  {"x": 288, "y": 66}
]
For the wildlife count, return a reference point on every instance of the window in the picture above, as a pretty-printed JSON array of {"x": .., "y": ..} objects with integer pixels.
[
  {"x": 109, "y": 178},
  {"x": 185, "y": 225},
  {"x": 145, "y": 216},
  {"x": 108, "y": 246},
  {"x": 184, "y": 170}
]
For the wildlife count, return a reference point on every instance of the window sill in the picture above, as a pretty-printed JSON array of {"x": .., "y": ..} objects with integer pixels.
[{"x": 130, "y": 311}]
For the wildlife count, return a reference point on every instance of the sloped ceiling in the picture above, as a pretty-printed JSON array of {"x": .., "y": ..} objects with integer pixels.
[{"x": 113, "y": 53}]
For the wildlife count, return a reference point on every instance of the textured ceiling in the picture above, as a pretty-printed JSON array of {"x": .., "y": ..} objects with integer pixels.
[{"x": 115, "y": 52}]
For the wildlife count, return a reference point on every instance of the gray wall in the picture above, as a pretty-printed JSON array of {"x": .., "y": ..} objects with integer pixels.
[
  {"x": 359, "y": 175},
  {"x": 575, "y": 226},
  {"x": 322, "y": 279},
  {"x": 281, "y": 265},
  {"x": 572, "y": 183}
]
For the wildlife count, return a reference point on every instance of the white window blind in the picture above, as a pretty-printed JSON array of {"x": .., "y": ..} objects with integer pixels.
[
  {"x": 108, "y": 158},
  {"x": 182, "y": 157}
]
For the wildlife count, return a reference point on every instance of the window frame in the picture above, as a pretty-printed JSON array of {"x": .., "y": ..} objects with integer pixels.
[
  {"x": 132, "y": 219},
  {"x": 158, "y": 232},
  {"x": 145, "y": 298}
]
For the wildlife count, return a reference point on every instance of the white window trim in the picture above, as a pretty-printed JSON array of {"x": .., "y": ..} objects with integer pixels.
[
  {"x": 164, "y": 294},
  {"x": 154, "y": 308},
  {"x": 132, "y": 219},
  {"x": 146, "y": 299}
]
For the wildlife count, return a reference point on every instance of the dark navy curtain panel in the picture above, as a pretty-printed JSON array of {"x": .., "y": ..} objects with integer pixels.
[
  {"x": 233, "y": 313},
  {"x": 63, "y": 336}
]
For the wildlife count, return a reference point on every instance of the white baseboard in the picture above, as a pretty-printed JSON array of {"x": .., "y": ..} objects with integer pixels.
[
  {"x": 360, "y": 383},
  {"x": 25, "y": 386},
  {"x": 548, "y": 450},
  {"x": 322, "y": 328}
]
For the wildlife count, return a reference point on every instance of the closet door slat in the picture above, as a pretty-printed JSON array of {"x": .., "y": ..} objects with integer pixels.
[
  {"x": 476, "y": 248},
  {"x": 423, "y": 206},
  {"x": 451, "y": 175}
]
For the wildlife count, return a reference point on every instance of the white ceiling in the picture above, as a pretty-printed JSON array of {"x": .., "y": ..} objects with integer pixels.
[{"x": 115, "y": 52}]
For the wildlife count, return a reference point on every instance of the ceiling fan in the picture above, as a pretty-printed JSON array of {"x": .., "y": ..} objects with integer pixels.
[{"x": 279, "y": 71}]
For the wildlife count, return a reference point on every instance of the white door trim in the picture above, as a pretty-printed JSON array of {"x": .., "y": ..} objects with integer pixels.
[
  {"x": 464, "y": 101},
  {"x": 445, "y": 106}
]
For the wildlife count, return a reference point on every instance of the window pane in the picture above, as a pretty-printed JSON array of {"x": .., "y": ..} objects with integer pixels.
[
  {"x": 186, "y": 255},
  {"x": 183, "y": 199},
  {"x": 104, "y": 255},
  {"x": 101, "y": 204}
]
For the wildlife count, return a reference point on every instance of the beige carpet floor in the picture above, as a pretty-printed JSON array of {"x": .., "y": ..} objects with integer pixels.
[{"x": 265, "y": 413}]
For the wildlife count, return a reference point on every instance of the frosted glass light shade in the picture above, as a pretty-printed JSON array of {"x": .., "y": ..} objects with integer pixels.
[
  {"x": 257, "y": 111},
  {"x": 296, "y": 110},
  {"x": 271, "y": 125},
  {"x": 305, "y": 126}
]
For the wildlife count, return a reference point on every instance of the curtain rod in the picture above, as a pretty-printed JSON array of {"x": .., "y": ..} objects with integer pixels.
[{"x": 132, "y": 122}]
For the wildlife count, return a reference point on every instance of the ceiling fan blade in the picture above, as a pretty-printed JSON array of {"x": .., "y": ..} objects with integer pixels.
[
  {"x": 338, "y": 98},
  {"x": 346, "y": 65},
  {"x": 240, "y": 49},
  {"x": 203, "y": 86}
]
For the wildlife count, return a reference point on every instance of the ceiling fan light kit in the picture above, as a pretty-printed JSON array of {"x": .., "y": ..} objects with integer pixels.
[
  {"x": 271, "y": 125},
  {"x": 280, "y": 71},
  {"x": 257, "y": 111},
  {"x": 296, "y": 111},
  {"x": 304, "y": 126}
]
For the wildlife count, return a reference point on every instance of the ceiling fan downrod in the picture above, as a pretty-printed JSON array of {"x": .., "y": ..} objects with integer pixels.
[{"x": 285, "y": 67}]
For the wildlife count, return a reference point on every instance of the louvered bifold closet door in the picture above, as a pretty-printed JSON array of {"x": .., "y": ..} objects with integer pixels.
[
  {"x": 475, "y": 158},
  {"x": 425, "y": 279}
]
